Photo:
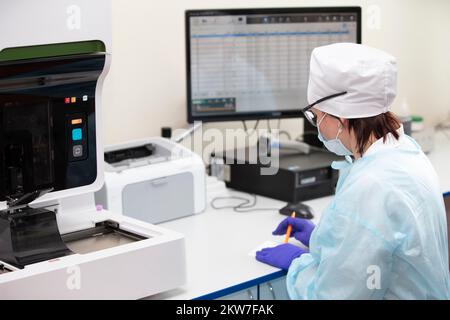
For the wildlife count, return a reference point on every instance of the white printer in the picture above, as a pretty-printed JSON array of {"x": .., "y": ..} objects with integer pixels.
[{"x": 153, "y": 180}]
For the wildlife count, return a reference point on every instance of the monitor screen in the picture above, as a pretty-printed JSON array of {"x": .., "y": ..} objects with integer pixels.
[{"x": 247, "y": 64}]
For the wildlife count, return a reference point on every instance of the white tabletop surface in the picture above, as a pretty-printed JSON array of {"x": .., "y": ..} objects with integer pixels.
[
  {"x": 218, "y": 242},
  {"x": 440, "y": 158}
]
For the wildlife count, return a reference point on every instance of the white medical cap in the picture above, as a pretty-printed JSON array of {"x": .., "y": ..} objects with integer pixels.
[{"x": 368, "y": 75}]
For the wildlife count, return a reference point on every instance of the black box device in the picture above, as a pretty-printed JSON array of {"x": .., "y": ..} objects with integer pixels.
[{"x": 299, "y": 176}]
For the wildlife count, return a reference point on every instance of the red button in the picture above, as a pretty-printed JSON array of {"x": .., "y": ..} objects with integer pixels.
[{"x": 67, "y": 100}]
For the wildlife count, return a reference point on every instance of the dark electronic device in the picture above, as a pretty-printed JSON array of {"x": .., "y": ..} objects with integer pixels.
[
  {"x": 301, "y": 210},
  {"x": 299, "y": 176},
  {"x": 47, "y": 118},
  {"x": 166, "y": 132}
]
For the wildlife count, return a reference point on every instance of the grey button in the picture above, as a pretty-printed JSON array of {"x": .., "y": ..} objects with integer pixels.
[{"x": 77, "y": 151}]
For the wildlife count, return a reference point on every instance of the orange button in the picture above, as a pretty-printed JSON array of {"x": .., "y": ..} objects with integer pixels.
[
  {"x": 77, "y": 121},
  {"x": 73, "y": 100}
]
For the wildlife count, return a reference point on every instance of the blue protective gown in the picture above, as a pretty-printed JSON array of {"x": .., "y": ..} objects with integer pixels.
[{"x": 384, "y": 236}]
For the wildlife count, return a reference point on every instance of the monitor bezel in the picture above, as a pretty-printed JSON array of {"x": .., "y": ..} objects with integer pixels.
[{"x": 216, "y": 12}]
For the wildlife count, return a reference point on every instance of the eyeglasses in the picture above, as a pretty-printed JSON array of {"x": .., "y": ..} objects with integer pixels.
[{"x": 311, "y": 116}]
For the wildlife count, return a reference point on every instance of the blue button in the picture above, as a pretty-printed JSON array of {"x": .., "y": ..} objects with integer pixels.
[{"x": 77, "y": 134}]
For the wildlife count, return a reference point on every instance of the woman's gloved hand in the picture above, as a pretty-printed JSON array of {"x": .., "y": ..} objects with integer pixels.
[
  {"x": 301, "y": 229},
  {"x": 280, "y": 256}
]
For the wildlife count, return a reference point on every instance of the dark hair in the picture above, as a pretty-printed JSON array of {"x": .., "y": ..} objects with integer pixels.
[{"x": 378, "y": 126}]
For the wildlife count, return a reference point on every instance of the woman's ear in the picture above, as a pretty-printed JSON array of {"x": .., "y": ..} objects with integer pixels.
[{"x": 344, "y": 122}]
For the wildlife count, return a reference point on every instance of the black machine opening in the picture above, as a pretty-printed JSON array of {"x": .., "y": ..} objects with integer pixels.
[
  {"x": 47, "y": 123},
  {"x": 27, "y": 145}
]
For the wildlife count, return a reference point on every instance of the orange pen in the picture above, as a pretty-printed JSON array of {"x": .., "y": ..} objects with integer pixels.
[{"x": 289, "y": 229}]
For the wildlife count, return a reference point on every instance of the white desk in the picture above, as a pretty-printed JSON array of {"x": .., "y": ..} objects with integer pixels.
[
  {"x": 218, "y": 241},
  {"x": 440, "y": 158}
]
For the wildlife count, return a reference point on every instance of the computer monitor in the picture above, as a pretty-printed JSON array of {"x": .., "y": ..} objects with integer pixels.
[{"x": 245, "y": 64}]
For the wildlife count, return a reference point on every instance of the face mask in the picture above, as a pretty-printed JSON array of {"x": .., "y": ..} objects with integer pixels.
[{"x": 335, "y": 145}]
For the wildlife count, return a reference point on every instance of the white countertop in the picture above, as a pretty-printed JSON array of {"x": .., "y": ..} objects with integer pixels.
[
  {"x": 218, "y": 242},
  {"x": 440, "y": 158}
]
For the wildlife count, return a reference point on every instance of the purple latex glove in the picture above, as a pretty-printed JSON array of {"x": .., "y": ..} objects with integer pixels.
[
  {"x": 280, "y": 256},
  {"x": 301, "y": 229}
]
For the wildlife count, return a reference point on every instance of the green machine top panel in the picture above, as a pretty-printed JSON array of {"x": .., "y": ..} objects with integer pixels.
[{"x": 52, "y": 50}]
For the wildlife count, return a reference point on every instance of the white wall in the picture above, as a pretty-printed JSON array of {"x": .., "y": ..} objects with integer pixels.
[{"x": 146, "y": 88}]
